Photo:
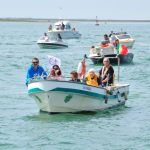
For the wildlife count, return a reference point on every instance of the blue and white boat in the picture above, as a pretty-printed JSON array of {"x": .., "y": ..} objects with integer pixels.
[{"x": 55, "y": 96}]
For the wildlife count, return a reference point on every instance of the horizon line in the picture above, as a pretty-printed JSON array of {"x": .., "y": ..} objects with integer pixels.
[{"x": 29, "y": 19}]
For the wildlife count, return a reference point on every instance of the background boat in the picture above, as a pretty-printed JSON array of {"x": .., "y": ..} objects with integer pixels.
[
  {"x": 51, "y": 44},
  {"x": 67, "y": 33}
]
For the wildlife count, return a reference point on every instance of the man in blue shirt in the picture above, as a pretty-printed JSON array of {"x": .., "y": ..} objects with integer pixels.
[{"x": 35, "y": 70}]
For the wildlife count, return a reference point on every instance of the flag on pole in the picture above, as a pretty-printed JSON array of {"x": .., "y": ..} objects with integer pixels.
[
  {"x": 51, "y": 61},
  {"x": 122, "y": 49}
]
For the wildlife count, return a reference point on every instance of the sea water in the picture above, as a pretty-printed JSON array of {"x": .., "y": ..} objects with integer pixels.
[{"x": 23, "y": 127}]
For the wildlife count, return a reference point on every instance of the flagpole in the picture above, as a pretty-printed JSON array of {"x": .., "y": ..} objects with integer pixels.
[{"x": 118, "y": 68}]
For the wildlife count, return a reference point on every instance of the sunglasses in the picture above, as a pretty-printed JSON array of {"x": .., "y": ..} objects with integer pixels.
[{"x": 36, "y": 62}]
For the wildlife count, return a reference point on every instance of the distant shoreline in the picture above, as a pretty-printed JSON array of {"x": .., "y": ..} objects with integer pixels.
[{"x": 75, "y": 20}]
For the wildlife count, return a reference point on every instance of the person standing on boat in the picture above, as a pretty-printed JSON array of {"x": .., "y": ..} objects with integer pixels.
[
  {"x": 35, "y": 70},
  {"x": 62, "y": 26},
  {"x": 81, "y": 69},
  {"x": 106, "y": 74},
  {"x": 112, "y": 32},
  {"x": 106, "y": 38},
  {"x": 92, "y": 79}
]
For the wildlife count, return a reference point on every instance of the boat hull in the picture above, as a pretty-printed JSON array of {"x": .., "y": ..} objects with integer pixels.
[
  {"x": 51, "y": 44},
  {"x": 113, "y": 59},
  {"x": 61, "y": 96},
  {"x": 65, "y": 34}
]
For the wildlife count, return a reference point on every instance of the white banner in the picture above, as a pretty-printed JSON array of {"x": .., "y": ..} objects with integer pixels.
[{"x": 51, "y": 61}]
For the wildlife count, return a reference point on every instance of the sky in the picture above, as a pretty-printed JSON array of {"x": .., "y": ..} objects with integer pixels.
[{"x": 76, "y": 9}]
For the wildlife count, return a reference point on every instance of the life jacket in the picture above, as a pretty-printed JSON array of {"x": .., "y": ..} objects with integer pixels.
[
  {"x": 93, "y": 81},
  {"x": 104, "y": 74},
  {"x": 104, "y": 45},
  {"x": 83, "y": 70}
]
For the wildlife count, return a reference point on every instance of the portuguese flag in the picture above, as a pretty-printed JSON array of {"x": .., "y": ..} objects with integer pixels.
[{"x": 122, "y": 49}]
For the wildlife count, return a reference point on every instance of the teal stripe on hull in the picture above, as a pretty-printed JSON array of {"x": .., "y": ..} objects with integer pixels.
[
  {"x": 87, "y": 93},
  {"x": 35, "y": 90}
]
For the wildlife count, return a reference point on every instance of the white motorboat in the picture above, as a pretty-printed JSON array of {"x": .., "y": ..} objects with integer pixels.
[
  {"x": 51, "y": 44},
  {"x": 66, "y": 31},
  {"x": 55, "y": 96},
  {"x": 100, "y": 52},
  {"x": 48, "y": 43},
  {"x": 124, "y": 39}
]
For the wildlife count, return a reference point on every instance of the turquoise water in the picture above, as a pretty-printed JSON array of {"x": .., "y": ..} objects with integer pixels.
[{"x": 23, "y": 127}]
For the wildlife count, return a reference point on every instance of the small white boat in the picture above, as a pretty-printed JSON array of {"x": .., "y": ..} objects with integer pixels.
[
  {"x": 124, "y": 39},
  {"x": 51, "y": 44},
  {"x": 64, "y": 96},
  {"x": 66, "y": 33}
]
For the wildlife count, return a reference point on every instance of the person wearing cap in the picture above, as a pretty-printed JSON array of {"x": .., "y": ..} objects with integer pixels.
[
  {"x": 35, "y": 70},
  {"x": 92, "y": 79},
  {"x": 106, "y": 74}
]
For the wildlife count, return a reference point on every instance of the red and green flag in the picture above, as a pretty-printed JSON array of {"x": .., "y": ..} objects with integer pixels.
[{"x": 122, "y": 49}]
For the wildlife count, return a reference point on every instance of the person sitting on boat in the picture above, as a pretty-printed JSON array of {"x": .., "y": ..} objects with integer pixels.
[
  {"x": 35, "y": 70},
  {"x": 106, "y": 38},
  {"x": 106, "y": 74},
  {"x": 81, "y": 69},
  {"x": 74, "y": 76},
  {"x": 59, "y": 38},
  {"x": 50, "y": 27},
  {"x": 45, "y": 37},
  {"x": 121, "y": 49},
  {"x": 55, "y": 73},
  {"x": 93, "y": 50},
  {"x": 92, "y": 79}
]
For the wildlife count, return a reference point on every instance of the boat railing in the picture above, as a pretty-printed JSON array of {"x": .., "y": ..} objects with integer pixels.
[{"x": 48, "y": 78}]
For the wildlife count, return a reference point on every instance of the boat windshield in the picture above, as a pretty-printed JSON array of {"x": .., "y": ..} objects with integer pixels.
[
  {"x": 124, "y": 36},
  {"x": 67, "y": 26}
]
